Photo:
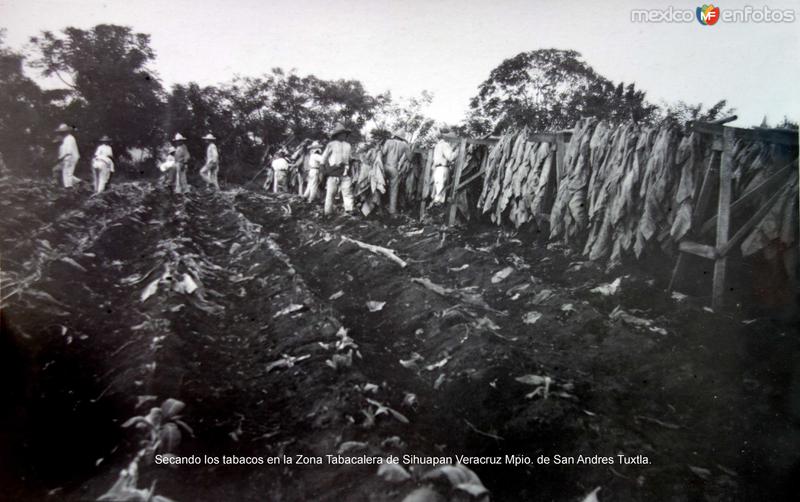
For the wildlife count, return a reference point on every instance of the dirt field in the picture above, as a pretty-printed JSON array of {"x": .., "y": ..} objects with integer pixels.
[{"x": 711, "y": 399}]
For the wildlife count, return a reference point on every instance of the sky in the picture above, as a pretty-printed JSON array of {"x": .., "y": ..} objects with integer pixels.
[{"x": 448, "y": 47}]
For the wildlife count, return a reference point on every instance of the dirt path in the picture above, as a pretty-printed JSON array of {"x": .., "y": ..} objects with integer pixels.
[{"x": 705, "y": 397}]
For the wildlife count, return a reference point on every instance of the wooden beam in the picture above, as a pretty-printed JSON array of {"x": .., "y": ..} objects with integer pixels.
[
  {"x": 745, "y": 229},
  {"x": 470, "y": 179},
  {"x": 740, "y": 203},
  {"x": 785, "y": 137},
  {"x": 697, "y": 249},
  {"x": 561, "y": 147},
  {"x": 724, "y": 120},
  {"x": 427, "y": 160},
  {"x": 723, "y": 217},
  {"x": 462, "y": 155},
  {"x": 490, "y": 141}
]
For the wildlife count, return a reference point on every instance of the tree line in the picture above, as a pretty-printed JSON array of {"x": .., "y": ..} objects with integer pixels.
[{"x": 107, "y": 84}]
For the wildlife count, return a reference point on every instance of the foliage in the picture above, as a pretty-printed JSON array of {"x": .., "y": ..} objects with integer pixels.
[
  {"x": 550, "y": 89},
  {"x": 408, "y": 115},
  {"x": 111, "y": 88},
  {"x": 682, "y": 112},
  {"x": 26, "y": 111}
]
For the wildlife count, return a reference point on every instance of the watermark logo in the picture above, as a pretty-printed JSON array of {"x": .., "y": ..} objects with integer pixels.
[{"x": 707, "y": 15}]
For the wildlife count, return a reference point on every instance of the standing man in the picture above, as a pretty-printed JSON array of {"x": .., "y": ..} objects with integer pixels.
[
  {"x": 280, "y": 169},
  {"x": 68, "y": 156},
  {"x": 210, "y": 171},
  {"x": 336, "y": 162},
  {"x": 443, "y": 156},
  {"x": 182, "y": 158},
  {"x": 102, "y": 164},
  {"x": 314, "y": 166},
  {"x": 396, "y": 154}
]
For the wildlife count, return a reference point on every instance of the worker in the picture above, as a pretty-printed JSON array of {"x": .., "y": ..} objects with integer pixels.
[
  {"x": 182, "y": 159},
  {"x": 443, "y": 157},
  {"x": 314, "y": 174},
  {"x": 396, "y": 154},
  {"x": 280, "y": 169},
  {"x": 336, "y": 162},
  {"x": 102, "y": 164},
  {"x": 210, "y": 171},
  {"x": 68, "y": 156},
  {"x": 299, "y": 166}
]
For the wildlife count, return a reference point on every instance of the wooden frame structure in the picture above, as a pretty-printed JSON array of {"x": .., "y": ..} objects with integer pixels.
[
  {"x": 720, "y": 169},
  {"x": 456, "y": 184}
]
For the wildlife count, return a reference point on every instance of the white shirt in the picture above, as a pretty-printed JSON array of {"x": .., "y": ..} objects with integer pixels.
[
  {"x": 443, "y": 153},
  {"x": 69, "y": 148},
  {"x": 337, "y": 153},
  {"x": 280, "y": 164},
  {"x": 103, "y": 151},
  {"x": 103, "y": 154},
  {"x": 315, "y": 161},
  {"x": 212, "y": 155}
]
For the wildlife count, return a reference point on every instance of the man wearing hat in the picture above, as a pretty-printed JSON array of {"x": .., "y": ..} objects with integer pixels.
[
  {"x": 443, "y": 156},
  {"x": 68, "y": 156},
  {"x": 182, "y": 158},
  {"x": 280, "y": 169},
  {"x": 396, "y": 154},
  {"x": 102, "y": 164},
  {"x": 210, "y": 170},
  {"x": 314, "y": 166},
  {"x": 336, "y": 162}
]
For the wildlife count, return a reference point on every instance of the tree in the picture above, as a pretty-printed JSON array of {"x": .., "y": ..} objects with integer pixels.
[
  {"x": 26, "y": 112},
  {"x": 550, "y": 89},
  {"x": 408, "y": 114},
  {"x": 112, "y": 90},
  {"x": 682, "y": 112}
]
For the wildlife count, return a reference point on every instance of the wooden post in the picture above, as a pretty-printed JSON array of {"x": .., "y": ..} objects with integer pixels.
[
  {"x": 427, "y": 159},
  {"x": 462, "y": 155},
  {"x": 561, "y": 148},
  {"x": 723, "y": 217},
  {"x": 703, "y": 196}
]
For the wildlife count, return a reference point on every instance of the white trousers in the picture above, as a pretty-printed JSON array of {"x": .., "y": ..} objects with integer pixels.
[
  {"x": 334, "y": 183},
  {"x": 68, "y": 173},
  {"x": 440, "y": 174},
  {"x": 312, "y": 187}
]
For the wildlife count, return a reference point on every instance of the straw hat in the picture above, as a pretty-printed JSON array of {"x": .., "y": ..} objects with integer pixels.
[
  {"x": 316, "y": 145},
  {"x": 63, "y": 128},
  {"x": 105, "y": 139},
  {"x": 179, "y": 137},
  {"x": 209, "y": 137},
  {"x": 339, "y": 128},
  {"x": 400, "y": 134}
]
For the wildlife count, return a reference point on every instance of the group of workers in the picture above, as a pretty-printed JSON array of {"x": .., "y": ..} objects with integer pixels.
[{"x": 333, "y": 162}]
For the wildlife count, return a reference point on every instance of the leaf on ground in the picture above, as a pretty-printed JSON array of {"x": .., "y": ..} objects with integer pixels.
[
  {"x": 150, "y": 290},
  {"x": 350, "y": 446},
  {"x": 374, "y": 306},
  {"x": 294, "y": 307},
  {"x": 393, "y": 473},
  {"x": 502, "y": 275},
  {"x": 608, "y": 289},
  {"x": 543, "y": 297},
  {"x": 336, "y": 295},
  {"x": 424, "y": 494},
  {"x": 438, "y": 364},
  {"x": 592, "y": 496},
  {"x": 700, "y": 472},
  {"x": 531, "y": 317}
]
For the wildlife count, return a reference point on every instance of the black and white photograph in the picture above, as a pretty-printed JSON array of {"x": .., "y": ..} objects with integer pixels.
[{"x": 399, "y": 251}]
